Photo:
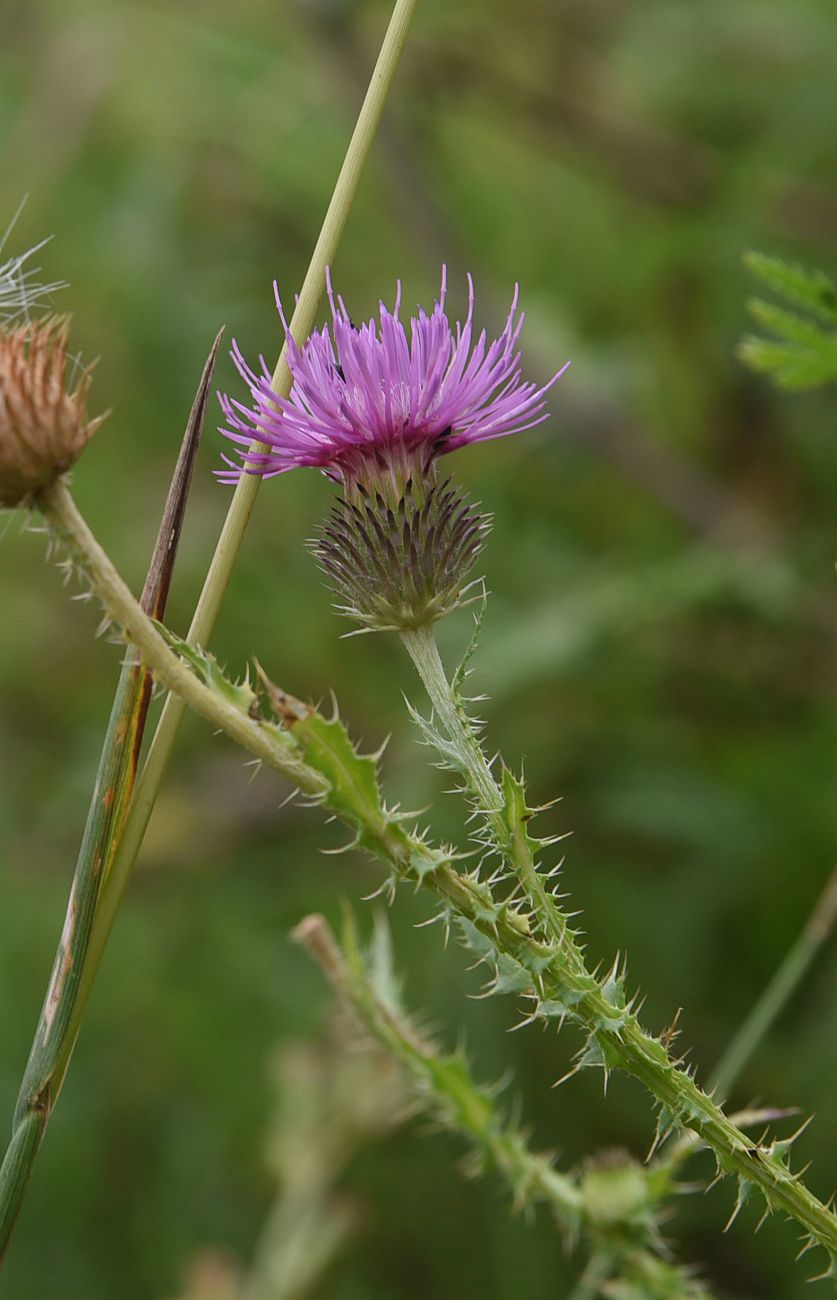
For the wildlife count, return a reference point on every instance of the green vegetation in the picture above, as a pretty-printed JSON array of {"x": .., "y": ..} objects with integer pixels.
[{"x": 659, "y": 646}]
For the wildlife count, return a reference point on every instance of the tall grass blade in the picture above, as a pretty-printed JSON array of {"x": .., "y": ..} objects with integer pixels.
[{"x": 63, "y": 1005}]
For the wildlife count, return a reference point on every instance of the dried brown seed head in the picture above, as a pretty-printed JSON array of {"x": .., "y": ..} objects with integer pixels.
[{"x": 43, "y": 426}]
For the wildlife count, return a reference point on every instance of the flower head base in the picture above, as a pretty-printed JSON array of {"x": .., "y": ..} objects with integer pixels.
[
  {"x": 43, "y": 426},
  {"x": 374, "y": 406},
  {"x": 400, "y": 567}
]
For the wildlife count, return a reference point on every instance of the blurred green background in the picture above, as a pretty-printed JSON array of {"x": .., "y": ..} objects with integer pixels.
[{"x": 660, "y": 644}]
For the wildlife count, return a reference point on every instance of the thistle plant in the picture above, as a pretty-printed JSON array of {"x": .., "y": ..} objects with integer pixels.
[
  {"x": 375, "y": 407},
  {"x": 515, "y": 890},
  {"x": 375, "y": 410},
  {"x": 522, "y": 934}
]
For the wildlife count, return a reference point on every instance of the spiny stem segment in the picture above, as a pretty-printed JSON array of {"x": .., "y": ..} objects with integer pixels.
[
  {"x": 565, "y": 988},
  {"x": 523, "y": 954},
  {"x": 501, "y": 805},
  {"x": 612, "y": 1202},
  {"x": 57, "y": 1027}
]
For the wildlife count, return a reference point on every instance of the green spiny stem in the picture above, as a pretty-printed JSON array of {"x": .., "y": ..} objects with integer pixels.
[
  {"x": 613, "y": 1203},
  {"x": 501, "y": 807},
  {"x": 444, "y": 1081},
  {"x": 318, "y": 756},
  {"x": 616, "y": 1038}
]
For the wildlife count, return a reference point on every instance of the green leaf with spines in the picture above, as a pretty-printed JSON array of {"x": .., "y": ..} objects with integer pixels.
[{"x": 239, "y": 694}]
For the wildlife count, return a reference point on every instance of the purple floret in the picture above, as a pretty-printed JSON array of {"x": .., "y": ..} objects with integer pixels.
[{"x": 369, "y": 394}]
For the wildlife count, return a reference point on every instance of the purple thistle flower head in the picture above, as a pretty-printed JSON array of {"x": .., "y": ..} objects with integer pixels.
[
  {"x": 376, "y": 400},
  {"x": 374, "y": 406}
]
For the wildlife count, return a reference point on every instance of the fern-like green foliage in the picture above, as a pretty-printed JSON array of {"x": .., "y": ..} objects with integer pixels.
[{"x": 803, "y": 353}]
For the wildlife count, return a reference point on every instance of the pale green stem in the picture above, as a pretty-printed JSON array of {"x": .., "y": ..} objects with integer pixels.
[
  {"x": 778, "y": 992},
  {"x": 168, "y": 668},
  {"x": 241, "y": 506},
  {"x": 244, "y": 497}
]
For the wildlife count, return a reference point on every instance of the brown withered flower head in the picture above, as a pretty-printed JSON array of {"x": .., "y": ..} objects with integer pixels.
[{"x": 44, "y": 426}]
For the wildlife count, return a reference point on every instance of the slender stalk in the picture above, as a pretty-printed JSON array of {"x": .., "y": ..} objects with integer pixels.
[
  {"x": 762, "y": 1016},
  {"x": 244, "y": 497},
  {"x": 115, "y": 776},
  {"x": 775, "y": 997},
  {"x": 318, "y": 756}
]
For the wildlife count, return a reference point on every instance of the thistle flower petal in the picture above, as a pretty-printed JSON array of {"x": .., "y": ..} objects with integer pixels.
[{"x": 374, "y": 396}]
